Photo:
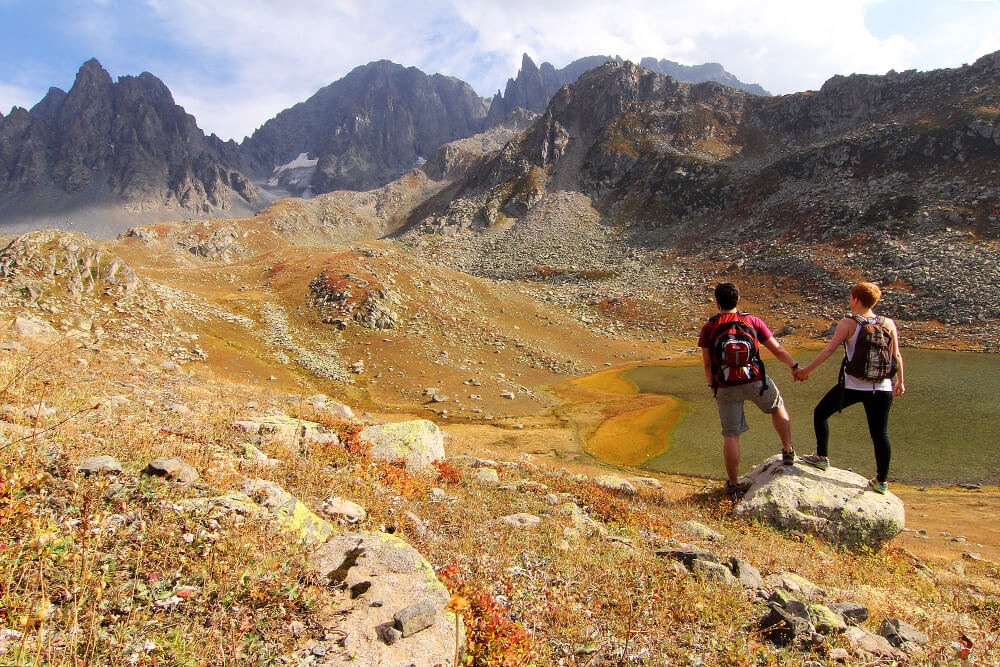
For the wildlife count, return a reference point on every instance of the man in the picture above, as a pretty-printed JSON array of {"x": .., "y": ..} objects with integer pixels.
[{"x": 729, "y": 345}]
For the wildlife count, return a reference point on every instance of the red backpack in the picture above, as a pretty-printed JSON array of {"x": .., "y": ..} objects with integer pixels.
[{"x": 736, "y": 353}]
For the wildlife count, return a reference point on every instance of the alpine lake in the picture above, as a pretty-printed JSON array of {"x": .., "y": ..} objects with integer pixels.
[{"x": 944, "y": 430}]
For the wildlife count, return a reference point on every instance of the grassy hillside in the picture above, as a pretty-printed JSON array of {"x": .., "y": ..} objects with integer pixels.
[{"x": 108, "y": 569}]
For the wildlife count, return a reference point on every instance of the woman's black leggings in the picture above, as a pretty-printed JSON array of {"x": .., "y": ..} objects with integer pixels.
[{"x": 877, "y": 404}]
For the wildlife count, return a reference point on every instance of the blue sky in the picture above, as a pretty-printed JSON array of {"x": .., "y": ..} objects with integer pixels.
[{"x": 236, "y": 64}]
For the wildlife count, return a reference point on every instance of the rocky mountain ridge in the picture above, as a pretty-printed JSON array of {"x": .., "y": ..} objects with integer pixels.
[
  {"x": 535, "y": 85},
  {"x": 367, "y": 128},
  {"x": 867, "y": 177},
  {"x": 122, "y": 143}
]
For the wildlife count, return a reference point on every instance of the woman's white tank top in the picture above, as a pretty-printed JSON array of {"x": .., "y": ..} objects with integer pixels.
[{"x": 851, "y": 382}]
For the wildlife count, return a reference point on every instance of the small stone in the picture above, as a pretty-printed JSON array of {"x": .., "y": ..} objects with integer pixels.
[
  {"x": 95, "y": 465},
  {"x": 507, "y": 394},
  {"x": 522, "y": 520},
  {"x": 826, "y": 620},
  {"x": 391, "y": 635},
  {"x": 839, "y": 654},
  {"x": 902, "y": 635},
  {"x": 650, "y": 482},
  {"x": 696, "y": 529},
  {"x": 614, "y": 483},
  {"x": 487, "y": 476},
  {"x": 793, "y": 583},
  {"x": 247, "y": 426},
  {"x": 414, "y": 618},
  {"x": 687, "y": 554},
  {"x": 172, "y": 467},
  {"x": 748, "y": 575},
  {"x": 713, "y": 571},
  {"x": 13, "y": 346},
  {"x": 851, "y": 612},
  {"x": 340, "y": 507},
  {"x": 296, "y": 628},
  {"x": 870, "y": 643}
]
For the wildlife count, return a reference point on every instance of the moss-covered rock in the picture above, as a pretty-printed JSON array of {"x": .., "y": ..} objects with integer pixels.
[
  {"x": 385, "y": 575},
  {"x": 260, "y": 496},
  {"x": 835, "y": 504},
  {"x": 417, "y": 442}
]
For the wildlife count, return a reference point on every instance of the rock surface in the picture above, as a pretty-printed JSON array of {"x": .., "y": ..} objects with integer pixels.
[
  {"x": 293, "y": 515},
  {"x": 535, "y": 85},
  {"x": 367, "y": 128},
  {"x": 417, "y": 442},
  {"x": 172, "y": 468},
  {"x": 95, "y": 465},
  {"x": 388, "y": 571},
  {"x": 835, "y": 504},
  {"x": 123, "y": 143}
]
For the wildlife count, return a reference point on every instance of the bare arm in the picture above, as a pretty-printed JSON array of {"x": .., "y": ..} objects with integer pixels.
[
  {"x": 779, "y": 352},
  {"x": 844, "y": 330},
  {"x": 706, "y": 360},
  {"x": 898, "y": 387}
]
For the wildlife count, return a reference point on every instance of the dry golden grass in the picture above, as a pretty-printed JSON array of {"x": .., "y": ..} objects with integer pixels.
[{"x": 90, "y": 571}]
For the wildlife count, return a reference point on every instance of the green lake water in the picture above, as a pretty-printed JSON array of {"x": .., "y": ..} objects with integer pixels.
[{"x": 945, "y": 429}]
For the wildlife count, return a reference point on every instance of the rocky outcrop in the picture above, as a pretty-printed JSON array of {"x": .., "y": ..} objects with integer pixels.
[
  {"x": 39, "y": 265},
  {"x": 120, "y": 143},
  {"x": 455, "y": 158},
  {"x": 835, "y": 504},
  {"x": 368, "y": 128},
  {"x": 535, "y": 85},
  {"x": 394, "y": 606},
  {"x": 419, "y": 443},
  {"x": 341, "y": 298},
  {"x": 894, "y": 171}
]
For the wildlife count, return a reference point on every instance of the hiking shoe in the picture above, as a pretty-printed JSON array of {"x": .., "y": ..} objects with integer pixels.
[
  {"x": 788, "y": 458},
  {"x": 816, "y": 461},
  {"x": 877, "y": 486},
  {"x": 733, "y": 491}
]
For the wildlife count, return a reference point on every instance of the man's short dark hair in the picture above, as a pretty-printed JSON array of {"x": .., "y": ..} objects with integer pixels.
[{"x": 727, "y": 295}]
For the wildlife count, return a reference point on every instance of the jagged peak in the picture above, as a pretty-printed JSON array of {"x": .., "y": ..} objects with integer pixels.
[
  {"x": 49, "y": 105},
  {"x": 527, "y": 64},
  {"x": 92, "y": 73}
]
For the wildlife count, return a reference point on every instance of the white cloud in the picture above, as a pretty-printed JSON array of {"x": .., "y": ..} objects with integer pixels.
[
  {"x": 786, "y": 45},
  {"x": 278, "y": 54},
  {"x": 18, "y": 96},
  {"x": 236, "y": 64}
]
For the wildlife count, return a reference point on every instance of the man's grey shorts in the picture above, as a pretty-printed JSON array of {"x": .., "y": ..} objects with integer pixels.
[{"x": 730, "y": 402}]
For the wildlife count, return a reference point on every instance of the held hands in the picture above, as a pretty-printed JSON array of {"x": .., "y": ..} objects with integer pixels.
[{"x": 800, "y": 374}]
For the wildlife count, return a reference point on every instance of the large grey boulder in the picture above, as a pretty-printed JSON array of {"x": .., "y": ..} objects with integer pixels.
[
  {"x": 394, "y": 611},
  {"x": 835, "y": 504},
  {"x": 418, "y": 442}
]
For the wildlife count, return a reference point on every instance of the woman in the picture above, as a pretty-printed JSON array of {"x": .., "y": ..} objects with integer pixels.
[{"x": 875, "y": 395}]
